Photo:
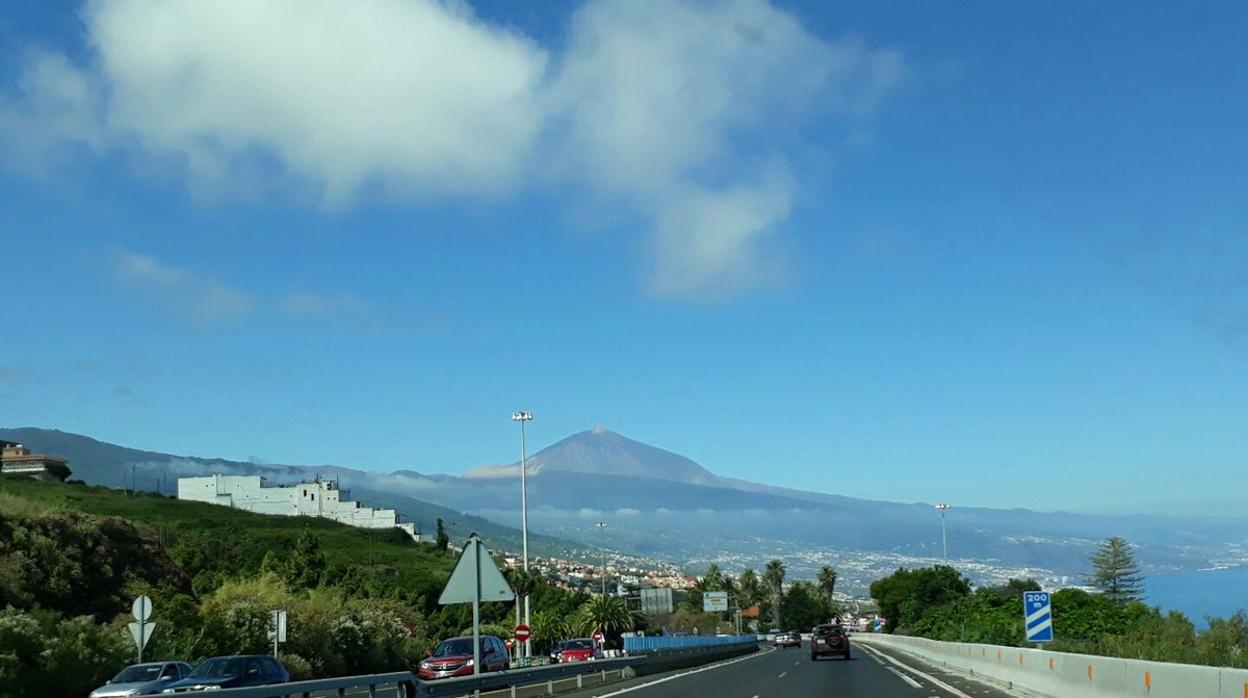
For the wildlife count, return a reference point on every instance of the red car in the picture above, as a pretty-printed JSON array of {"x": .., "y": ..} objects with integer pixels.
[
  {"x": 580, "y": 649},
  {"x": 453, "y": 657}
]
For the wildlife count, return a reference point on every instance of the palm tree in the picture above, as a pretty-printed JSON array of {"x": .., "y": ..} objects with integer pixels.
[
  {"x": 604, "y": 613},
  {"x": 549, "y": 628},
  {"x": 749, "y": 591},
  {"x": 827, "y": 581},
  {"x": 774, "y": 577}
]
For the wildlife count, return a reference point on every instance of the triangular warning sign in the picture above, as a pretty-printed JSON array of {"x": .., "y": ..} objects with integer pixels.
[{"x": 459, "y": 587}]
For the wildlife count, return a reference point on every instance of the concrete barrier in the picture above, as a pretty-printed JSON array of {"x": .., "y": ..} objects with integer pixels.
[{"x": 1067, "y": 675}]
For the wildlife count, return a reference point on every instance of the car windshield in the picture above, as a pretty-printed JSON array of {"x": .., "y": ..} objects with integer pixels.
[
  {"x": 220, "y": 667},
  {"x": 134, "y": 674},
  {"x": 577, "y": 645},
  {"x": 453, "y": 648}
]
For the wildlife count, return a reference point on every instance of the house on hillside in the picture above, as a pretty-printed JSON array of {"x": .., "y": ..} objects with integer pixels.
[
  {"x": 320, "y": 497},
  {"x": 16, "y": 459}
]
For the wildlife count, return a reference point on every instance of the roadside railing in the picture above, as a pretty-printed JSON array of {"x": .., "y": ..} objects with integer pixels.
[
  {"x": 399, "y": 684},
  {"x": 543, "y": 680}
]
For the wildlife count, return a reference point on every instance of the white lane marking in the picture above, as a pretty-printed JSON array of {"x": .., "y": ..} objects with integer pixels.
[
  {"x": 931, "y": 679},
  {"x": 796, "y": 663},
  {"x": 699, "y": 670},
  {"x": 781, "y": 676},
  {"x": 903, "y": 677}
]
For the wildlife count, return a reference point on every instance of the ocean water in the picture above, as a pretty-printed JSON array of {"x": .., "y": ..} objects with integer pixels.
[{"x": 1199, "y": 594}]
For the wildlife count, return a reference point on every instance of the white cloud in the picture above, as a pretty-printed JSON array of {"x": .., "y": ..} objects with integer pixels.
[
  {"x": 202, "y": 301},
  {"x": 189, "y": 297},
  {"x": 411, "y": 97},
  {"x": 680, "y": 111}
]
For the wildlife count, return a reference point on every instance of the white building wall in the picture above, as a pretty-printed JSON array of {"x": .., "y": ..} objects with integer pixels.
[{"x": 321, "y": 499}]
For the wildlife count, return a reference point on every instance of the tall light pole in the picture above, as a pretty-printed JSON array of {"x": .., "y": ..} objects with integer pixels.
[
  {"x": 602, "y": 526},
  {"x": 523, "y": 417},
  {"x": 944, "y": 535}
]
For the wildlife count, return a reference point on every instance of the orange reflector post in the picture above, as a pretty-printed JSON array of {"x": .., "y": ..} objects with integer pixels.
[
  {"x": 1089, "y": 672},
  {"x": 1148, "y": 680},
  {"x": 1050, "y": 664},
  {"x": 1020, "y": 658}
]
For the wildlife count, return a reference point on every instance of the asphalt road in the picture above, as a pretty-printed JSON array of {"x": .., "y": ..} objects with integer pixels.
[
  {"x": 776, "y": 673},
  {"x": 791, "y": 673}
]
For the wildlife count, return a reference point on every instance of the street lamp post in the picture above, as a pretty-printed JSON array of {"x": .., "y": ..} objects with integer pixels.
[
  {"x": 523, "y": 417},
  {"x": 944, "y": 535},
  {"x": 602, "y": 526}
]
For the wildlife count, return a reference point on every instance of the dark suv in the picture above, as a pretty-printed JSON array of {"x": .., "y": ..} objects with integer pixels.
[
  {"x": 234, "y": 671},
  {"x": 828, "y": 640}
]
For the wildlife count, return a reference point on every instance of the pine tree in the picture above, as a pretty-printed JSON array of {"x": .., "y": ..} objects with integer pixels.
[
  {"x": 443, "y": 540},
  {"x": 1116, "y": 573}
]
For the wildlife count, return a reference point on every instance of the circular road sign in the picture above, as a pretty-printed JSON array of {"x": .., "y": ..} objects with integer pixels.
[
  {"x": 141, "y": 608},
  {"x": 522, "y": 632}
]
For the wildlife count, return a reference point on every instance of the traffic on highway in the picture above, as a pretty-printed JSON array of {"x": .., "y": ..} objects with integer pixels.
[{"x": 775, "y": 673}]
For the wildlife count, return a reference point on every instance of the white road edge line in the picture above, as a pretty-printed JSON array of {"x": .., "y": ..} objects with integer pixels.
[
  {"x": 699, "y": 670},
  {"x": 932, "y": 679},
  {"x": 903, "y": 677}
]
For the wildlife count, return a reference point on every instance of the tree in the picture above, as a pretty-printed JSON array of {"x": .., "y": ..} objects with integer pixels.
[
  {"x": 773, "y": 576},
  {"x": 60, "y": 471},
  {"x": 805, "y": 606},
  {"x": 906, "y": 596},
  {"x": 444, "y": 540},
  {"x": 306, "y": 564},
  {"x": 605, "y": 613},
  {"x": 827, "y": 582},
  {"x": 749, "y": 589},
  {"x": 1116, "y": 573}
]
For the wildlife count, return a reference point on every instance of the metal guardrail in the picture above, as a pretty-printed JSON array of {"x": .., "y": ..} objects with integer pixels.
[
  {"x": 406, "y": 685},
  {"x": 400, "y": 684},
  {"x": 466, "y": 685}
]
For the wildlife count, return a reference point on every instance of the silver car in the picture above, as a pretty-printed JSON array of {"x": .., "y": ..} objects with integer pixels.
[{"x": 142, "y": 679}]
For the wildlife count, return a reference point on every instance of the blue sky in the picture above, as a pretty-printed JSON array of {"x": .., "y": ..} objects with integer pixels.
[{"x": 910, "y": 251}]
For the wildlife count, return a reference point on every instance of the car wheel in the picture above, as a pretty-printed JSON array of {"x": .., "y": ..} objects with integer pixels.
[
  {"x": 846, "y": 655},
  {"x": 814, "y": 657}
]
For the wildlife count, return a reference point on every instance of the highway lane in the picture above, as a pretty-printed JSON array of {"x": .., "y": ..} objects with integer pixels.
[
  {"x": 791, "y": 674},
  {"x": 775, "y": 673}
]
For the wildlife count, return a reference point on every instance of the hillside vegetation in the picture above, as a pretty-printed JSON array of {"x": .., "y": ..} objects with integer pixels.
[{"x": 72, "y": 558}]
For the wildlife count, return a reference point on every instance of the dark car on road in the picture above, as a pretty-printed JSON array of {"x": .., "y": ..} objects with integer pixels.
[
  {"x": 828, "y": 640},
  {"x": 453, "y": 657},
  {"x": 142, "y": 679},
  {"x": 787, "y": 639},
  {"x": 234, "y": 671}
]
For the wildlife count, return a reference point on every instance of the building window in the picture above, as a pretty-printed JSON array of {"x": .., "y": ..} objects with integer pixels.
[{"x": 314, "y": 497}]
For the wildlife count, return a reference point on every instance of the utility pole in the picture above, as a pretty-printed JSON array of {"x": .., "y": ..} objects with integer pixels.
[
  {"x": 944, "y": 534},
  {"x": 602, "y": 526},
  {"x": 523, "y": 417}
]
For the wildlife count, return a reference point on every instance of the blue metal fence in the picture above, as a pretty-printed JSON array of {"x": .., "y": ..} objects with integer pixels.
[{"x": 641, "y": 645}]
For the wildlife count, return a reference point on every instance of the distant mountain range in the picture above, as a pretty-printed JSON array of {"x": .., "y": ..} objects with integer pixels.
[{"x": 660, "y": 504}]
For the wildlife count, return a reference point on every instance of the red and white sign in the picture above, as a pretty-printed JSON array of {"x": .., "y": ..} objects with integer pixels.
[
  {"x": 522, "y": 632},
  {"x": 598, "y": 636}
]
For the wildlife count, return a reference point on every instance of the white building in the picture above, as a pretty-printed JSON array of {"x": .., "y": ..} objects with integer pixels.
[{"x": 316, "y": 498}]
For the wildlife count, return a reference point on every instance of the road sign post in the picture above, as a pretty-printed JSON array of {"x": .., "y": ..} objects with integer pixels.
[
  {"x": 475, "y": 579},
  {"x": 715, "y": 602},
  {"x": 142, "y": 627},
  {"x": 1038, "y": 616},
  {"x": 277, "y": 628}
]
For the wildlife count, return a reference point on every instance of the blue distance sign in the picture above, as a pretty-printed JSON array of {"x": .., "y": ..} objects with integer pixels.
[{"x": 1038, "y": 616}]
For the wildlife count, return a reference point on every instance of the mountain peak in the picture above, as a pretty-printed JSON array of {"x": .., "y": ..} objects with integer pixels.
[{"x": 600, "y": 451}]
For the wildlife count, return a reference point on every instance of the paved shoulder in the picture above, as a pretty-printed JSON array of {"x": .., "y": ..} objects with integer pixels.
[{"x": 940, "y": 680}]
